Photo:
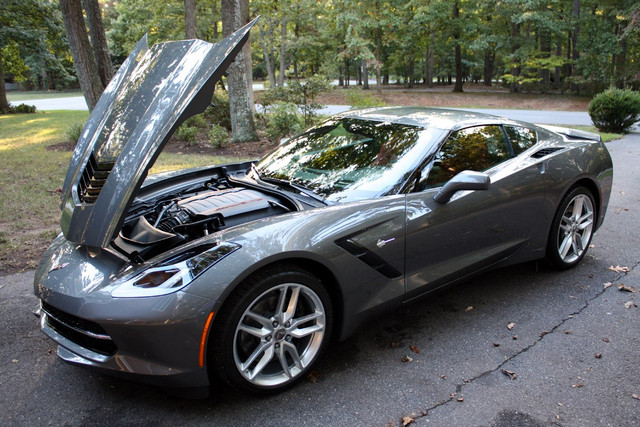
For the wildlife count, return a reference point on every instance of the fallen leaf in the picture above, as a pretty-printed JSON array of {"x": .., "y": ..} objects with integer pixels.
[
  {"x": 511, "y": 325},
  {"x": 560, "y": 404},
  {"x": 619, "y": 269},
  {"x": 598, "y": 356},
  {"x": 496, "y": 344},
  {"x": 394, "y": 344},
  {"x": 15, "y": 360},
  {"x": 452, "y": 395},
  {"x": 605, "y": 339},
  {"x": 543, "y": 333},
  {"x": 635, "y": 396},
  {"x": 592, "y": 246},
  {"x": 415, "y": 349},
  {"x": 460, "y": 399},
  {"x": 568, "y": 331},
  {"x": 469, "y": 308},
  {"x": 630, "y": 304},
  {"x": 626, "y": 288},
  {"x": 590, "y": 276},
  {"x": 607, "y": 285},
  {"x": 407, "y": 420},
  {"x": 515, "y": 337},
  {"x": 407, "y": 359},
  {"x": 511, "y": 375},
  {"x": 444, "y": 377},
  {"x": 313, "y": 376},
  {"x": 577, "y": 386}
]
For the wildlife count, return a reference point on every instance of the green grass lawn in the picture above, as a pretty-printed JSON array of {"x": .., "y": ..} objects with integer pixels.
[
  {"x": 30, "y": 205},
  {"x": 18, "y": 96}
]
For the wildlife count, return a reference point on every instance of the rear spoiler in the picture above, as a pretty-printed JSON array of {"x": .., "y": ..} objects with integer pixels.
[{"x": 573, "y": 133}]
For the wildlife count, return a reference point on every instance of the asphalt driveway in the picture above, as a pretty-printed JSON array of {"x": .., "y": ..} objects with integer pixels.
[{"x": 519, "y": 346}]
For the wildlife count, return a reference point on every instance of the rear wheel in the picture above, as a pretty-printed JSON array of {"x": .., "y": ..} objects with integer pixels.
[
  {"x": 275, "y": 327},
  {"x": 572, "y": 229}
]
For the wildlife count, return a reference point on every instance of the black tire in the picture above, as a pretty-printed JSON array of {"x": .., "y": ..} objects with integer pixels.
[
  {"x": 285, "y": 346},
  {"x": 572, "y": 229}
]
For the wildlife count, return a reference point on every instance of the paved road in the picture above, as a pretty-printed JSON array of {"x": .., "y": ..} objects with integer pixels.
[
  {"x": 532, "y": 116},
  {"x": 575, "y": 350}
]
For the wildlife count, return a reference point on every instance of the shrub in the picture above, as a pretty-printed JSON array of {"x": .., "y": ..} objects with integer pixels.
[
  {"x": 187, "y": 133},
  {"x": 19, "y": 109},
  {"x": 302, "y": 93},
  {"x": 283, "y": 119},
  {"x": 218, "y": 136},
  {"x": 359, "y": 99},
  {"x": 220, "y": 113},
  {"x": 74, "y": 130},
  {"x": 615, "y": 110}
]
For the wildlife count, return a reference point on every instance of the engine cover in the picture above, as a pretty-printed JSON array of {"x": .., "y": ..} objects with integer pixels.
[{"x": 228, "y": 203}]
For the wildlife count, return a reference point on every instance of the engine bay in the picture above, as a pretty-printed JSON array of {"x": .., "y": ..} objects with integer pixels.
[{"x": 171, "y": 220}]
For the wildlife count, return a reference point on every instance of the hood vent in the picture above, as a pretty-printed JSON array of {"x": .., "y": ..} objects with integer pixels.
[
  {"x": 545, "y": 152},
  {"x": 93, "y": 179}
]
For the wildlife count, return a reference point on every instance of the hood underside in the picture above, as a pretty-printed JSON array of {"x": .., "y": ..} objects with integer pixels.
[{"x": 152, "y": 93}]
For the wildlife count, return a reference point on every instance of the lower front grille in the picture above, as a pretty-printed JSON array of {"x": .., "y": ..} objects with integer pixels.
[{"x": 83, "y": 332}]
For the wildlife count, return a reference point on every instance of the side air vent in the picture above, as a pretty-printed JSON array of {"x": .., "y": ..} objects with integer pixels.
[
  {"x": 93, "y": 179},
  {"x": 545, "y": 152}
]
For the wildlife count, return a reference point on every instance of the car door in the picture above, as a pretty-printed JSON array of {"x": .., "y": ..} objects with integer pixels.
[{"x": 475, "y": 229}]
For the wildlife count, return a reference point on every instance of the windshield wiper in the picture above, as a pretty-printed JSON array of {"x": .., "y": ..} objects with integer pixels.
[{"x": 283, "y": 182}]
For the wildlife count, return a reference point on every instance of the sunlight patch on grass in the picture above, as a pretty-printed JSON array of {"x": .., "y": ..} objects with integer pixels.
[{"x": 168, "y": 162}]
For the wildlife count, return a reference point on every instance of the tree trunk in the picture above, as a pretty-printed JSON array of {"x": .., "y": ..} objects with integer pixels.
[
  {"x": 411, "y": 73},
  {"x": 4, "y": 103},
  {"x": 574, "y": 40},
  {"x": 268, "y": 60},
  {"x": 489, "y": 64},
  {"x": 85, "y": 63},
  {"x": 379, "y": 61},
  {"x": 458, "y": 49},
  {"x": 189, "y": 19},
  {"x": 621, "y": 59},
  {"x": 365, "y": 75},
  {"x": 246, "y": 49},
  {"x": 556, "y": 74},
  {"x": 243, "y": 127},
  {"x": 515, "y": 70},
  {"x": 340, "y": 76},
  {"x": 98, "y": 40},
  {"x": 283, "y": 50},
  {"x": 430, "y": 60}
]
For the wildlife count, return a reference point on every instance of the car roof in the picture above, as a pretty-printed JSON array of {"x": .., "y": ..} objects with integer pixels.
[{"x": 441, "y": 118}]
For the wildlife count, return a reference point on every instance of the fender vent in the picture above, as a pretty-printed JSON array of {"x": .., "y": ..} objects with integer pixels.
[
  {"x": 93, "y": 179},
  {"x": 545, "y": 152}
]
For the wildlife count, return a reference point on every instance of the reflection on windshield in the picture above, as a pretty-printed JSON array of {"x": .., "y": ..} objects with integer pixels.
[{"x": 349, "y": 159}]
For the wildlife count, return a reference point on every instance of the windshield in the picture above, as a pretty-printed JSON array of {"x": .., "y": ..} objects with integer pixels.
[{"x": 350, "y": 159}]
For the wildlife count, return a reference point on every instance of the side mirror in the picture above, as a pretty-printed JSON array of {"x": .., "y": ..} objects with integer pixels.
[{"x": 465, "y": 180}]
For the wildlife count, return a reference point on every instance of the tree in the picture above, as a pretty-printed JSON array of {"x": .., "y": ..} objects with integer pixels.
[
  {"x": 32, "y": 35},
  {"x": 243, "y": 126},
  {"x": 85, "y": 63},
  {"x": 190, "y": 19},
  {"x": 98, "y": 40}
]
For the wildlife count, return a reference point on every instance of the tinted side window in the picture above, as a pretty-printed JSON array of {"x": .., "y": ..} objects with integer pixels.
[
  {"x": 477, "y": 148},
  {"x": 521, "y": 138}
]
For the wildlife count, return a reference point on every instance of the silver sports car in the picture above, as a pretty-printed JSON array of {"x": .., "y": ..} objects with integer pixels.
[{"x": 245, "y": 271}]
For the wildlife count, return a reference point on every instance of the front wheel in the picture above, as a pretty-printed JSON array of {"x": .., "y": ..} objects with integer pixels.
[
  {"x": 275, "y": 327},
  {"x": 572, "y": 229}
]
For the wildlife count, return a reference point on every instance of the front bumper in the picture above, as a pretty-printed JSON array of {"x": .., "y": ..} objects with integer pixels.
[{"x": 164, "y": 353}]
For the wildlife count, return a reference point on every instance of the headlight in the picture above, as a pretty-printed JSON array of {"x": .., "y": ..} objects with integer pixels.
[{"x": 174, "y": 274}]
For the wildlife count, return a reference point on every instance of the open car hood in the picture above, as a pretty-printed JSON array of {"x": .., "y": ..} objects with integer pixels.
[{"x": 152, "y": 93}]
